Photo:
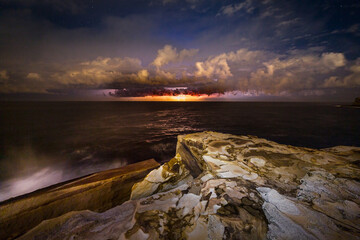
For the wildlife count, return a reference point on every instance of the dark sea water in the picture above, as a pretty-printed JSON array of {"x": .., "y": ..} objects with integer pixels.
[{"x": 42, "y": 143}]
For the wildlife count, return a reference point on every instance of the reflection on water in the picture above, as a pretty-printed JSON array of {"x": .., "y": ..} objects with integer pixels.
[{"x": 44, "y": 143}]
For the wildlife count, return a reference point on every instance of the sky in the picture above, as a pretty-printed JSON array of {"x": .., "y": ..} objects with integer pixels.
[{"x": 285, "y": 50}]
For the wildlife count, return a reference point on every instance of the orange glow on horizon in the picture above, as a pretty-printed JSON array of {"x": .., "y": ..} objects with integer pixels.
[{"x": 177, "y": 98}]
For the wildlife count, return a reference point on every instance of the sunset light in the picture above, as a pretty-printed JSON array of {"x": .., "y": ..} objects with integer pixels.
[{"x": 177, "y": 98}]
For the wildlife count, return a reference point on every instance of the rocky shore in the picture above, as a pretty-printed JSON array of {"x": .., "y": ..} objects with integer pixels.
[
  {"x": 96, "y": 192},
  {"x": 221, "y": 186},
  {"x": 354, "y": 104}
]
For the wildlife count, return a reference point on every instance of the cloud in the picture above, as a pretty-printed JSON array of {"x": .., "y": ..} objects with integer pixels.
[
  {"x": 4, "y": 75},
  {"x": 354, "y": 28},
  {"x": 271, "y": 73},
  {"x": 350, "y": 80},
  {"x": 34, "y": 76},
  {"x": 353, "y": 79},
  {"x": 229, "y": 10},
  {"x": 219, "y": 66},
  {"x": 106, "y": 71},
  {"x": 169, "y": 54},
  {"x": 244, "y": 70},
  {"x": 333, "y": 81},
  {"x": 333, "y": 60},
  {"x": 288, "y": 23},
  {"x": 14, "y": 83},
  {"x": 168, "y": 91},
  {"x": 114, "y": 64},
  {"x": 164, "y": 2},
  {"x": 164, "y": 76},
  {"x": 143, "y": 75},
  {"x": 216, "y": 67},
  {"x": 100, "y": 71},
  {"x": 187, "y": 4},
  {"x": 295, "y": 73}
]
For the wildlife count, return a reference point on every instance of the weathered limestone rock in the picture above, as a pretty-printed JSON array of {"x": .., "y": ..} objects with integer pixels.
[
  {"x": 221, "y": 186},
  {"x": 167, "y": 176},
  {"x": 97, "y": 192}
]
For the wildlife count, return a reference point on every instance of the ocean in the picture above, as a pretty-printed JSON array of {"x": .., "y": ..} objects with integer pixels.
[{"x": 43, "y": 143}]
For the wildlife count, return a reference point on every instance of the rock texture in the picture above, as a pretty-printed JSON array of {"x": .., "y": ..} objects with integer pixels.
[
  {"x": 221, "y": 186},
  {"x": 97, "y": 192}
]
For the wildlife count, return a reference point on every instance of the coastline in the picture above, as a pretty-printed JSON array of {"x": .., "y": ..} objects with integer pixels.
[
  {"x": 225, "y": 186},
  {"x": 96, "y": 192}
]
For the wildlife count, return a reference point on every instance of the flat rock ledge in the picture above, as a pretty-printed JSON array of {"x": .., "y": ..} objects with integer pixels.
[
  {"x": 96, "y": 192},
  {"x": 221, "y": 186}
]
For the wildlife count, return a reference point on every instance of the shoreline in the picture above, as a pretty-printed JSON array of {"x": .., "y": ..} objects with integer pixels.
[
  {"x": 217, "y": 185},
  {"x": 94, "y": 192}
]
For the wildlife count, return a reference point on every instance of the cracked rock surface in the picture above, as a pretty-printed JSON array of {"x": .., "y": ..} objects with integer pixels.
[{"x": 221, "y": 186}]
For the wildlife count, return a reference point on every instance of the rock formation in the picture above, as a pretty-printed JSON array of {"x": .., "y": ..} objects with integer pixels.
[
  {"x": 356, "y": 102},
  {"x": 221, "y": 186},
  {"x": 97, "y": 192}
]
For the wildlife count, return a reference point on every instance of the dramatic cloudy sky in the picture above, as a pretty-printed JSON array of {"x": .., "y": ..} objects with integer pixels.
[{"x": 302, "y": 50}]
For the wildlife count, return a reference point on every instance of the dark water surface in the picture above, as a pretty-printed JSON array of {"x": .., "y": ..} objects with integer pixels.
[{"x": 42, "y": 143}]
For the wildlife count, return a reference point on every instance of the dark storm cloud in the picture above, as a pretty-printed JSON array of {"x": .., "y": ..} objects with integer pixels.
[
  {"x": 169, "y": 91},
  {"x": 273, "y": 47}
]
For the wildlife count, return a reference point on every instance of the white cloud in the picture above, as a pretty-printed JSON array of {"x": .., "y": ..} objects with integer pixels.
[
  {"x": 333, "y": 60},
  {"x": 169, "y": 54},
  {"x": 216, "y": 67},
  {"x": 143, "y": 75},
  {"x": 269, "y": 72},
  {"x": 220, "y": 65}
]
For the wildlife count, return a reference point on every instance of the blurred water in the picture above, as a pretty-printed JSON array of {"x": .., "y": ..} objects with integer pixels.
[{"x": 42, "y": 143}]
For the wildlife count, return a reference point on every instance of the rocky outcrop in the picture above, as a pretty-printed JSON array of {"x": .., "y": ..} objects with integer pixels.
[
  {"x": 97, "y": 192},
  {"x": 356, "y": 102},
  {"x": 221, "y": 186}
]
